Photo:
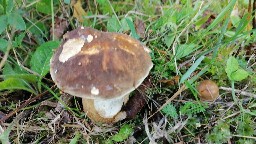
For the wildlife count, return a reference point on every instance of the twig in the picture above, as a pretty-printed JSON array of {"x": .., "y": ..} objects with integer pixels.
[
  {"x": 27, "y": 102},
  {"x": 239, "y": 91},
  {"x": 249, "y": 137},
  {"x": 169, "y": 100}
]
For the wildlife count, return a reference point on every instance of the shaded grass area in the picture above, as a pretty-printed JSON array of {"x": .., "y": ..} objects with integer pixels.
[{"x": 190, "y": 41}]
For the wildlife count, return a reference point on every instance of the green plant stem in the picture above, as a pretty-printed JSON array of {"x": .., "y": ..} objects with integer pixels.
[
  {"x": 9, "y": 47},
  {"x": 53, "y": 36}
]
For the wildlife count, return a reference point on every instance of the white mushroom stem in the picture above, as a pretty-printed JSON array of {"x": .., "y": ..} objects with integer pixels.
[{"x": 109, "y": 108}]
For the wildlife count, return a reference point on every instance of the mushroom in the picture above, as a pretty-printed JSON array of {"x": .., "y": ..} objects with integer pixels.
[
  {"x": 208, "y": 90},
  {"x": 102, "y": 68}
]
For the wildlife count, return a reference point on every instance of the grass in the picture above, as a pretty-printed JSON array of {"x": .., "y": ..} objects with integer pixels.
[{"x": 190, "y": 41}]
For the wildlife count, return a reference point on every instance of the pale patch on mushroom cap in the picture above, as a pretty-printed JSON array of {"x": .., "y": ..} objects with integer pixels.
[
  {"x": 113, "y": 63},
  {"x": 71, "y": 48}
]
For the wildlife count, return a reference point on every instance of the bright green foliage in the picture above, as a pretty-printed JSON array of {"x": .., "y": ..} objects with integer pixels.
[
  {"x": 113, "y": 24},
  {"x": 192, "y": 108},
  {"x": 15, "y": 20},
  {"x": 246, "y": 126},
  {"x": 11, "y": 17},
  {"x": 3, "y": 44},
  {"x": 233, "y": 71},
  {"x": 170, "y": 110},
  {"x": 43, "y": 6},
  {"x": 123, "y": 134},
  {"x": 220, "y": 133},
  {"x": 41, "y": 58},
  {"x": 15, "y": 83},
  {"x": 191, "y": 69},
  {"x": 3, "y": 23},
  {"x": 185, "y": 49},
  {"x": 16, "y": 78}
]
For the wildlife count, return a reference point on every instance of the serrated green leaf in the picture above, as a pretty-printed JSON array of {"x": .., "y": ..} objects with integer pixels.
[
  {"x": 3, "y": 45},
  {"x": 3, "y": 23},
  {"x": 40, "y": 61},
  {"x": 14, "y": 84},
  {"x": 123, "y": 134},
  {"x": 232, "y": 66},
  {"x": 16, "y": 21},
  {"x": 43, "y": 6},
  {"x": 239, "y": 75}
]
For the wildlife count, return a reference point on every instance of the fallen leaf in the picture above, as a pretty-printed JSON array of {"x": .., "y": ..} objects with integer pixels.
[
  {"x": 171, "y": 82},
  {"x": 140, "y": 27},
  {"x": 60, "y": 27},
  {"x": 79, "y": 12}
]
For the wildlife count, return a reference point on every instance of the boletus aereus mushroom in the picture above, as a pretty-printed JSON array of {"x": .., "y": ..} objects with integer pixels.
[{"x": 102, "y": 68}]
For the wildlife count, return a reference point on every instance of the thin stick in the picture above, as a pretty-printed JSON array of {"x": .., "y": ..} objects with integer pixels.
[
  {"x": 239, "y": 91},
  {"x": 27, "y": 102},
  {"x": 169, "y": 100}
]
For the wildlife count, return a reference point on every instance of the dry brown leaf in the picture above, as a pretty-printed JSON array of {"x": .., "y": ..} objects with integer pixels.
[
  {"x": 60, "y": 27},
  {"x": 171, "y": 82},
  {"x": 140, "y": 27},
  {"x": 79, "y": 12}
]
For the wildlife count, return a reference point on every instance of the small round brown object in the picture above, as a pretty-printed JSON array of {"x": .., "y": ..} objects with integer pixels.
[{"x": 208, "y": 90}]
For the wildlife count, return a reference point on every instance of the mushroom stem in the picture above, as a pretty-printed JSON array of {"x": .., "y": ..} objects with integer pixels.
[
  {"x": 108, "y": 108},
  {"x": 103, "y": 111}
]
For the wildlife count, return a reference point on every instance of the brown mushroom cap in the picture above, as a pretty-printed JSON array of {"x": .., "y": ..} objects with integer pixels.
[
  {"x": 94, "y": 64},
  {"x": 208, "y": 90}
]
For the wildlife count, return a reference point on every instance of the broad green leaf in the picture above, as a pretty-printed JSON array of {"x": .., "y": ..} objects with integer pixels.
[
  {"x": 40, "y": 61},
  {"x": 3, "y": 23},
  {"x": 185, "y": 49},
  {"x": 3, "y": 45},
  {"x": 168, "y": 39},
  {"x": 44, "y": 6},
  {"x": 9, "y": 6},
  {"x": 16, "y": 21},
  {"x": 27, "y": 77},
  {"x": 232, "y": 66},
  {"x": 123, "y": 134},
  {"x": 14, "y": 84},
  {"x": 239, "y": 75},
  {"x": 191, "y": 69},
  {"x": 113, "y": 24},
  {"x": 1, "y": 9}
]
